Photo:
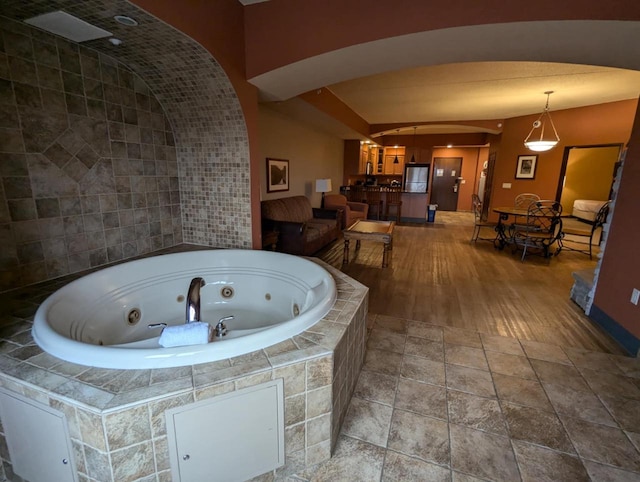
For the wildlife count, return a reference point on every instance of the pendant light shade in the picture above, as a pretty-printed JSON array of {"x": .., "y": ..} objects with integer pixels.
[
  {"x": 536, "y": 140},
  {"x": 413, "y": 152},
  {"x": 395, "y": 159}
]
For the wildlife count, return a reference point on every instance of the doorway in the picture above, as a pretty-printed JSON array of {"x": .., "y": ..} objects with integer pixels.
[
  {"x": 587, "y": 173},
  {"x": 488, "y": 185},
  {"x": 446, "y": 182}
]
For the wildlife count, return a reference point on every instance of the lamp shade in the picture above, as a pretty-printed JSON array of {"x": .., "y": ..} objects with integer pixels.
[
  {"x": 323, "y": 185},
  {"x": 537, "y": 140},
  {"x": 540, "y": 146}
]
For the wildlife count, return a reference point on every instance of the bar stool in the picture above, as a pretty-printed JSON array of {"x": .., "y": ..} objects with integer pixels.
[
  {"x": 355, "y": 194},
  {"x": 393, "y": 199},
  {"x": 374, "y": 200}
]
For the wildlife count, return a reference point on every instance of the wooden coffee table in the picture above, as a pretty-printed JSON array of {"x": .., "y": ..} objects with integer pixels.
[{"x": 369, "y": 230}]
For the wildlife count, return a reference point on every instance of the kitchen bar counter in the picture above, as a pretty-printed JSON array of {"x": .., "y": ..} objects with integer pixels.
[{"x": 414, "y": 204}]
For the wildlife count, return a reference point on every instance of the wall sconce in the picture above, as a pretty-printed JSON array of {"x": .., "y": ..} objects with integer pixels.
[
  {"x": 541, "y": 144},
  {"x": 323, "y": 185}
]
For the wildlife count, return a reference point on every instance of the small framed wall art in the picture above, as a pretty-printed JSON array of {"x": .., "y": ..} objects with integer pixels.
[
  {"x": 277, "y": 175},
  {"x": 526, "y": 168}
]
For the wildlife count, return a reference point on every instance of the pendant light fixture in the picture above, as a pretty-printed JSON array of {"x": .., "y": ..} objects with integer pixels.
[
  {"x": 413, "y": 151},
  {"x": 395, "y": 159},
  {"x": 540, "y": 144},
  {"x": 380, "y": 152}
]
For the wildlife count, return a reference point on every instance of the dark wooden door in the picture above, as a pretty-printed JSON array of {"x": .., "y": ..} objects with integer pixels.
[
  {"x": 445, "y": 185},
  {"x": 488, "y": 185}
]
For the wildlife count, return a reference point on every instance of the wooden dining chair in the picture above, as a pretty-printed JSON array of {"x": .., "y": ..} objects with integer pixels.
[
  {"x": 476, "y": 205},
  {"x": 393, "y": 200},
  {"x": 541, "y": 230}
]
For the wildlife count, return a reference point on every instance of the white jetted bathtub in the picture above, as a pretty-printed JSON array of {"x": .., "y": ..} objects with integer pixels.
[{"x": 113, "y": 318}]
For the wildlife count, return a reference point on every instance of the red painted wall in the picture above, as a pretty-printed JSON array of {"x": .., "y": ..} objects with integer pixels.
[
  {"x": 620, "y": 270},
  {"x": 280, "y": 32}
]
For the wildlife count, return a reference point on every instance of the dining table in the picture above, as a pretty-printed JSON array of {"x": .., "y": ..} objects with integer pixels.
[
  {"x": 505, "y": 212},
  {"x": 504, "y": 235}
]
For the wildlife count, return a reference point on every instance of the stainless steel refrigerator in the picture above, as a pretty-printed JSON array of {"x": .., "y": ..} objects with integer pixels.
[{"x": 416, "y": 177}]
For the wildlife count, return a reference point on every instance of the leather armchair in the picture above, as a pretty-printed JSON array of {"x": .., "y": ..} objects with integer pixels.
[{"x": 352, "y": 211}]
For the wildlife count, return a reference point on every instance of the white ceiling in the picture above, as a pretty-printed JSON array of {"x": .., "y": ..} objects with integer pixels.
[
  {"x": 482, "y": 91},
  {"x": 468, "y": 91},
  {"x": 469, "y": 73}
]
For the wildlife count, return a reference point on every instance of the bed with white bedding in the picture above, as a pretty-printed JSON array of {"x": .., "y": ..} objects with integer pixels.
[{"x": 586, "y": 209}]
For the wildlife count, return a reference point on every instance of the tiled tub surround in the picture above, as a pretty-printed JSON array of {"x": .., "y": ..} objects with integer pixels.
[
  {"x": 116, "y": 417},
  {"x": 211, "y": 207},
  {"x": 87, "y": 160}
]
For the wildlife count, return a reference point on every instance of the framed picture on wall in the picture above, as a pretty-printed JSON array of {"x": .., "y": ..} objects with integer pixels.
[
  {"x": 526, "y": 168},
  {"x": 277, "y": 175}
]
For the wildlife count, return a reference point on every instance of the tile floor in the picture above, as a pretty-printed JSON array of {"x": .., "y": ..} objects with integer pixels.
[{"x": 436, "y": 403}]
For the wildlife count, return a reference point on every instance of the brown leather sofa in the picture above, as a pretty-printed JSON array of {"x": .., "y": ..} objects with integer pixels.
[
  {"x": 302, "y": 230},
  {"x": 351, "y": 211}
]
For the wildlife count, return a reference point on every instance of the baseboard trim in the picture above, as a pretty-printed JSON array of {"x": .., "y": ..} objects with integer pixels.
[{"x": 620, "y": 334}]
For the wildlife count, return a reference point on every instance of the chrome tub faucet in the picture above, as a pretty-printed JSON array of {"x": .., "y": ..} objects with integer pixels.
[
  {"x": 193, "y": 300},
  {"x": 221, "y": 327}
]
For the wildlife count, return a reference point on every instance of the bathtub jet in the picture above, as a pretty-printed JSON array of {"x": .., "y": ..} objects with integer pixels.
[{"x": 104, "y": 319}]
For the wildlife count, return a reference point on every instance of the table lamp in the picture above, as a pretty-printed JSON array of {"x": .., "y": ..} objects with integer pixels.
[{"x": 323, "y": 185}]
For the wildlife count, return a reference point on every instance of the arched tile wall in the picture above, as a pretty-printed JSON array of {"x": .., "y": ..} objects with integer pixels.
[{"x": 203, "y": 119}]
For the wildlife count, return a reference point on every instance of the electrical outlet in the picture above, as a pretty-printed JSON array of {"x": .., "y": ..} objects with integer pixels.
[
  {"x": 635, "y": 296},
  {"x": 506, "y": 185}
]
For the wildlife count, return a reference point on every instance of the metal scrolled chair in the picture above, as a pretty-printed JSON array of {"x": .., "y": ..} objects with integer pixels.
[
  {"x": 575, "y": 227},
  {"x": 525, "y": 199},
  {"x": 541, "y": 230},
  {"x": 476, "y": 205}
]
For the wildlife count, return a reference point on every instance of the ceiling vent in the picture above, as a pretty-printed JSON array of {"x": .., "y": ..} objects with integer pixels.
[{"x": 67, "y": 26}]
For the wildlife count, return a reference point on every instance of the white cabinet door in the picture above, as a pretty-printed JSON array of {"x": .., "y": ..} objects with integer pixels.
[
  {"x": 231, "y": 437},
  {"x": 37, "y": 438}
]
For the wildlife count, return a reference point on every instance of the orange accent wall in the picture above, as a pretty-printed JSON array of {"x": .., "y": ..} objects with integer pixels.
[
  {"x": 327, "y": 102},
  {"x": 219, "y": 27},
  {"x": 600, "y": 124},
  {"x": 470, "y": 160}
]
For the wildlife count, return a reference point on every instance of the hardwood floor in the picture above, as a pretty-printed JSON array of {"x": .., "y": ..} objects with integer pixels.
[{"x": 436, "y": 275}]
